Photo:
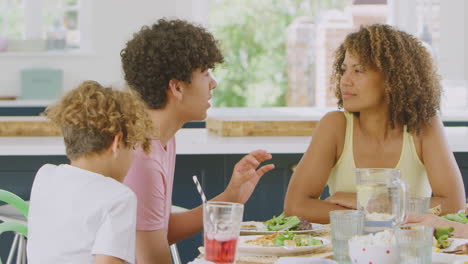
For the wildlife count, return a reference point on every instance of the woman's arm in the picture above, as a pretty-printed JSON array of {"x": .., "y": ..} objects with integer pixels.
[
  {"x": 461, "y": 230},
  {"x": 104, "y": 259},
  {"x": 442, "y": 169},
  {"x": 312, "y": 172}
]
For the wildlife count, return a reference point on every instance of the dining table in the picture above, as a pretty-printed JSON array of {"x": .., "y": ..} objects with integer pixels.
[{"x": 326, "y": 252}]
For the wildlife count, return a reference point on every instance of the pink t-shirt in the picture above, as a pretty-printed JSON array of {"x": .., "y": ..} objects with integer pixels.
[{"x": 151, "y": 177}]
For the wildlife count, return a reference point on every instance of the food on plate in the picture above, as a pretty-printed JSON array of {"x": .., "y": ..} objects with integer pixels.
[
  {"x": 460, "y": 218},
  {"x": 249, "y": 226},
  {"x": 283, "y": 223},
  {"x": 383, "y": 238},
  {"x": 461, "y": 249},
  {"x": 441, "y": 237},
  {"x": 435, "y": 210},
  {"x": 286, "y": 239}
]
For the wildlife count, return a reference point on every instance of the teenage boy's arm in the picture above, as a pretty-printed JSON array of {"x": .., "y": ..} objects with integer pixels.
[
  {"x": 104, "y": 259},
  {"x": 245, "y": 177},
  {"x": 152, "y": 247}
]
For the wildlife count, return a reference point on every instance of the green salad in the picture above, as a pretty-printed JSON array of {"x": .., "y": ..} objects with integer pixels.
[
  {"x": 281, "y": 223},
  {"x": 461, "y": 218},
  {"x": 297, "y": 240},
  {"x": 441, "y": 235}
]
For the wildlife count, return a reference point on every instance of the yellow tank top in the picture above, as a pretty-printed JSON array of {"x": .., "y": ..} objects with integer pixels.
[{"x": 342, "y": 177}]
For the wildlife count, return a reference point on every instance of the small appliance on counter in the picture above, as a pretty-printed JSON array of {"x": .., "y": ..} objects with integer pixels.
[{"x": 41, "y": 83}]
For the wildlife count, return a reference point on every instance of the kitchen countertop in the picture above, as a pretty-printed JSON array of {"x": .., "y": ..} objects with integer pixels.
[
  {"x": 200, "y": 141},
  {"x": 311, "y": 113}
]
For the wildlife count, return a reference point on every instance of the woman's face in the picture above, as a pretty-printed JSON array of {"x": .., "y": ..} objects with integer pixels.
[{"x": 361, "y": 88}]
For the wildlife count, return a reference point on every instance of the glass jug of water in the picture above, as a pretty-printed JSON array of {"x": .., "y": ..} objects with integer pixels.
[{"x": 381, "y": 196}]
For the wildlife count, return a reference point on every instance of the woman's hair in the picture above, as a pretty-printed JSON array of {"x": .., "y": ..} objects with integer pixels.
[
  {"x": 412, "y": 86},
  {"x": 90, "y": 116},
  {"x": 168, "y": 49}
]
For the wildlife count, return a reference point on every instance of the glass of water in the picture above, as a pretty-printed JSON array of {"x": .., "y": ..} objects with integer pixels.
[
  {"x": 344, "y": 225},
  {"x": 415, "y": 244},
  {"x": 418, "y": 205}
]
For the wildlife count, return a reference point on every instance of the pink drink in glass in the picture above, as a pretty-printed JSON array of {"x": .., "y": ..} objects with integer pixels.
[{"x": 220, "y": 250}]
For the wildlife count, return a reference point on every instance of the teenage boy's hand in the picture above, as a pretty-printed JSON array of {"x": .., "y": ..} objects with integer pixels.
[{"x": 245, "y": 176}]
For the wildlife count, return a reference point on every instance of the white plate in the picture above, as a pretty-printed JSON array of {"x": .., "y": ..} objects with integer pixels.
[
  {"x": 260, "y": 229},
  {"x": 304, "y": 260},
  {"x": 245, "y": 248},
  {"x": 442, "y": 258},
  {"x": 455, "y": 243}
]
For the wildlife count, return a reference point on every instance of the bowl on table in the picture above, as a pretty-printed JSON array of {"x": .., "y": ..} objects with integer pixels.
[
  {"x": 366, "y": 254},
  {"x": 376, "y": 248}
]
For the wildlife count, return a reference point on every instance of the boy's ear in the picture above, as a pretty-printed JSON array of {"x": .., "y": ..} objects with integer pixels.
[
  {"x": 176, "y": 88},
  {"x": 115, "y": 145}
]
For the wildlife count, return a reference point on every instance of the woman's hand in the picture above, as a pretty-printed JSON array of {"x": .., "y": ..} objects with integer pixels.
[
  {"x": 461, "y": 230},
  {"x": 245, "y": 176},
  {"x": 344, "y": 199}
]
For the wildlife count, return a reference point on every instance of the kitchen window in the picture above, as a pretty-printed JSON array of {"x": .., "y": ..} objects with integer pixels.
[
  {"x": 43, "y": 26},
  {"x": 280, "y": 52}
]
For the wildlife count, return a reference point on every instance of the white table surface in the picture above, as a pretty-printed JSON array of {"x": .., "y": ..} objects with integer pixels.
[{"x": 200, "y": 141}]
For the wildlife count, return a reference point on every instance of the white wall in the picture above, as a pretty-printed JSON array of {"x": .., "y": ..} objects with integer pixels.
[
  {"x": 464, "y": 28},
  {"x": 453, "y": 52},
  {"x": 401, "y": 15},
  {"x": 113, "y": 23}
]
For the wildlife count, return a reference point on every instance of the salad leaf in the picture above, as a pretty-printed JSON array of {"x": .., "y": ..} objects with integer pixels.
[
  {"x": 442, "y": 235},
  {"x": 305, "y": 241},
  {"x": 280, "y": 238},
  {"x": 279, "y": 223},
  {"x": 299, "y": 240},
  {"x": 461, "y": 218}
]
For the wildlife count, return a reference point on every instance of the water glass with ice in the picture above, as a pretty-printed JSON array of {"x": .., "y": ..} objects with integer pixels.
[
  {"x": 221, "y": 224},
  {"x": 345, "y": 224},
  {"x": 415, "y": 244}
]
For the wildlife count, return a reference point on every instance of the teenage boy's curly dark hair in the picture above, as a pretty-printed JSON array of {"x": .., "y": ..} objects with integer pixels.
[{"x": 168, "y": 49}]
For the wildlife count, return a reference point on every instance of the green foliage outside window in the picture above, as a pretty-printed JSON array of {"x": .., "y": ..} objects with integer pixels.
[{"x": 253, "y": 38}]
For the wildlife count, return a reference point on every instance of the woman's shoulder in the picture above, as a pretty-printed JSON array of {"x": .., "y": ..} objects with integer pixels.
[
  {"x": 334, "y": 120},
  {"x": 431, "y": 128},
  {"x": 333, "y": 123},
  {"x": 334, "y": 116},
  {"x": 430, "y": 133}
]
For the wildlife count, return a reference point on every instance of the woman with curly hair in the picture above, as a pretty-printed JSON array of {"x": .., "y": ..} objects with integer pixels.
[
  {"x": 168, "y": 64},
  {"x": 82, "y": 213},
  {"x": 386, "y": 82}
]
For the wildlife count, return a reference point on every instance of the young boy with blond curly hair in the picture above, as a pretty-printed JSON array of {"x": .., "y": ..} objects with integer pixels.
[{"x": 82, "y": 213}]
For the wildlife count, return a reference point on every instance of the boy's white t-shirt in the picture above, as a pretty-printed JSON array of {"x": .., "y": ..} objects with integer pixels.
[{"x": 75, "y": 214}]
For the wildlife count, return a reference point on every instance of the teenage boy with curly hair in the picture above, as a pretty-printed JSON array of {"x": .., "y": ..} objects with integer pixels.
[
  {"x": 168, "y": 64},
  {"x": 82, "y": 213}
]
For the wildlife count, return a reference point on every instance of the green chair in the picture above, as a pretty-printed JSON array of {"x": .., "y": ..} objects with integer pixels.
[{"x": 16, "y": 223}]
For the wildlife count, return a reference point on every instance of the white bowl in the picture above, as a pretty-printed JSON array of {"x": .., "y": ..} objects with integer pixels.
[{"x": 360, "y": 253}]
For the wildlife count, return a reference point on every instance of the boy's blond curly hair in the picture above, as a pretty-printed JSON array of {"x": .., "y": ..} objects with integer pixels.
[
  {"x": 90, "y": 116},
  {"x": 412, "y": 86}
]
